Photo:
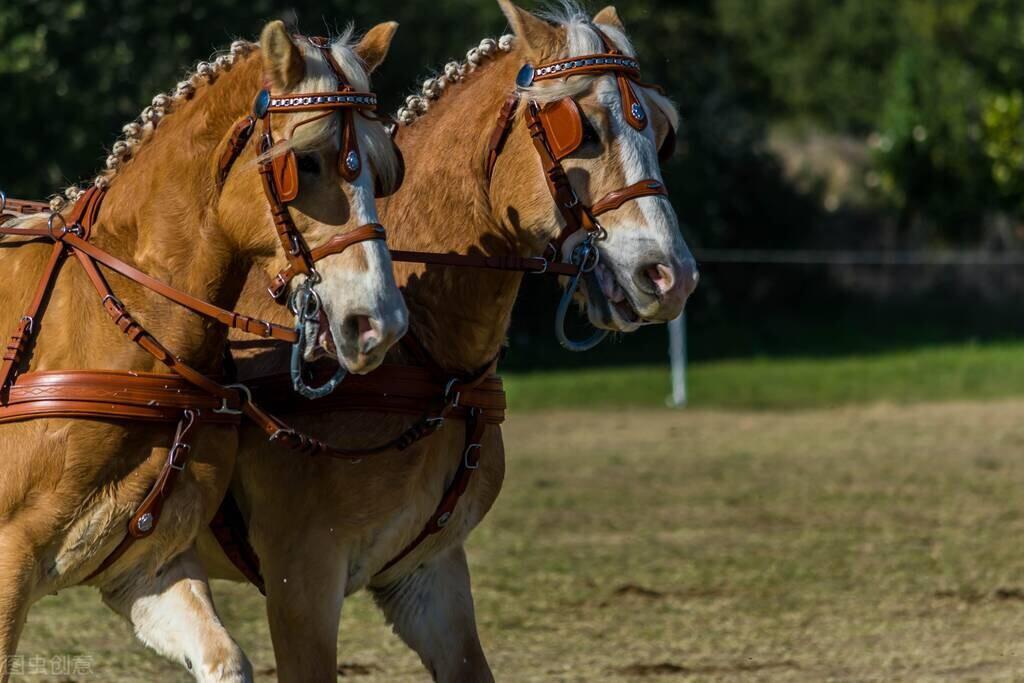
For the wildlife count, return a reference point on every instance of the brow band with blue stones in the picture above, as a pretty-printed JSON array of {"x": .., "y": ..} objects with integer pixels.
[{"x": 590, "y": 64}]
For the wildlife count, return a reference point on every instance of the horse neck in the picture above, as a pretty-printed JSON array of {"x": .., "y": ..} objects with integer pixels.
[
  {"x": 460, "y": 314},
  {"x": 160, "y": 215}
]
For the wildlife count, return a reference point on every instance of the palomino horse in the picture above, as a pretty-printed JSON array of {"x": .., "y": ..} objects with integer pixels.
[
  {"x": 182, "y": 201},
  {"x": 327, "y": 529}
]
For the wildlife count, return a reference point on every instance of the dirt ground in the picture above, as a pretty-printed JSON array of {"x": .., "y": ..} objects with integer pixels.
[{"x": 862, "y": 544}]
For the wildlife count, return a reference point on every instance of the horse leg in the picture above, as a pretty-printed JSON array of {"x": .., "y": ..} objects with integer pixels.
[
  {"x": 173, "y": 613},
  {"x": 305, "y": 592},
  {"x": 431, "y": 609},
  {"x": 17, "y": 577}
]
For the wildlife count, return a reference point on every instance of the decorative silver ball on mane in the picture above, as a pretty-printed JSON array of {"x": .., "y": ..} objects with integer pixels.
[
  {"x": 453, "y": 71},
  {"x": 185, "y": 89},
  {"x": 161, "y": 101},
  {"x": 102, "y": 182},
  {"x": 131, "y": 130},
  {"x": 416, "y": 103},
  {"x": 224, "y": 61},
  {"x": 506, "y": 42},
  {"x": 57, "y": 203},
  {"x": 113, "y": 162},
  {"x": 431, "y": 88},
  {"x": 488, "y": 46},
  {"x": 205, "y": 70},
  {"x": 241, "y": 48},
  {"x": 121, "y": 149},
  {"x": 72, "y": 192},
  {"x": 406, "y": 116}
]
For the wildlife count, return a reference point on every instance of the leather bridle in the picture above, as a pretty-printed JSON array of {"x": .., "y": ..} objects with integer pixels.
[{"x": 279, "y": 172}]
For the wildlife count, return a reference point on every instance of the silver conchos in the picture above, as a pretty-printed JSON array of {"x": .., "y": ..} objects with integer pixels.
[
  {"x": 145, "y": 522},
  {"x": 352, "y": 162}
]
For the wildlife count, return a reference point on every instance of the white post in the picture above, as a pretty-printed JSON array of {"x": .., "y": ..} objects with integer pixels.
[{"x": 677, "y": 356}]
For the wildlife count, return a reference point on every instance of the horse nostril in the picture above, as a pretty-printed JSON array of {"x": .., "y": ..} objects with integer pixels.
[
  {"x": 369, "y": 337},
  {"x": 661, "y": 277},
  {"x": 668, "y": 282}
]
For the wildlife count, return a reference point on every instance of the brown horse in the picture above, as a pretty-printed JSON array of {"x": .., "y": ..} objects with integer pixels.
[
  {"x": 70, "y": 485},
  {"x": 327, "y": 529}
]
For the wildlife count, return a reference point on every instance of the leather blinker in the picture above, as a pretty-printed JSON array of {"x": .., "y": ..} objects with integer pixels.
[
  {"x": 286, "y": 176},
  {"x": 380, "y": 189},
  {"x": 563, "y": 123},
  {"x": 668, "y": 146}
]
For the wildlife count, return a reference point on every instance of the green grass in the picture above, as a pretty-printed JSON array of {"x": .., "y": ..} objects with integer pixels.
[
  {"x": 957, "y": 372},
  {"x": 876, "y": 543}
]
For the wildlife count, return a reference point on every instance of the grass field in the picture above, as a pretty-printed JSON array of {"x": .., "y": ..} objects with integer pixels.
[
  {"x": 949, "y": 372},
  {"x": 861, "y": 543}
]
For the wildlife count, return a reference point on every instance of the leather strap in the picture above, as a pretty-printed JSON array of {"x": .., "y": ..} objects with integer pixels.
[
  {"x": 253, "y": 326},
  {"x": 608, "y": 62},
  {"x": 335, "y": 245},
  {"x": 110, "y": 394},
  {"x": 500, "y": 132},
  {"x": 144, "y": 520},
  {"x": 456, "y": 488},
  {"x": 613, "y": 200},
  {"x": 229, "y": 528},
  {"x": 240, "y": 136},
  {"x": 28, "y": 326},
  {"x": 509, "y": 262}
]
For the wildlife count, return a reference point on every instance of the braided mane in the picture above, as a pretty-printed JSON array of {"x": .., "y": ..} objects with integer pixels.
[
  {"x": 453, "y": 72},
  {"x": 137, "y": 132}
]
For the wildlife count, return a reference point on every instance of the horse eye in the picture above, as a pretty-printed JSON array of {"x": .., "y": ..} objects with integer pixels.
[
  {"x": 309, "y": 163},
  {"x": 590, "y": 136}
]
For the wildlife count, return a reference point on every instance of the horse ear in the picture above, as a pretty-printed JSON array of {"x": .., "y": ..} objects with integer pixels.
[
  {"x": 282, "y": 59},
  {"x": 609, "y": 17},
  {"x": 373, "y": 48},
  {"x": 539, "y": 37}
]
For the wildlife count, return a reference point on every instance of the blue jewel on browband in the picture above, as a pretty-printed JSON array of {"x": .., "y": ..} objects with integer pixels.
[
  {"x": 262, "y": 103},
  {"x": 525, "y": 77}
]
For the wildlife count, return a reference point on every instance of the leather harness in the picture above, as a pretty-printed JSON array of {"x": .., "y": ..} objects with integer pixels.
[
  {"x": 187, "y": 396},
  {"x": 426, "y": 390}
]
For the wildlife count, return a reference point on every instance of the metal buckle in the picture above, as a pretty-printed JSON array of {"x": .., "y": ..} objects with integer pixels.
[
  {"x": 63, "y": 223},
  {"x": 448, "y": 391},
  {"x": 465, "y": 457},
  {"x": 117, "y": 302},
  {"x": 30, "y": 321},
  {"x": 172, "y": 455},
  {"x": 224, "y": 410}
]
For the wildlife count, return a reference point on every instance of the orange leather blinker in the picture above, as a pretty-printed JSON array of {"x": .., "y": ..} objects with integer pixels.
[
  {"x": 563, "y": 123},
  {"x": 286, "y": 176}
]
